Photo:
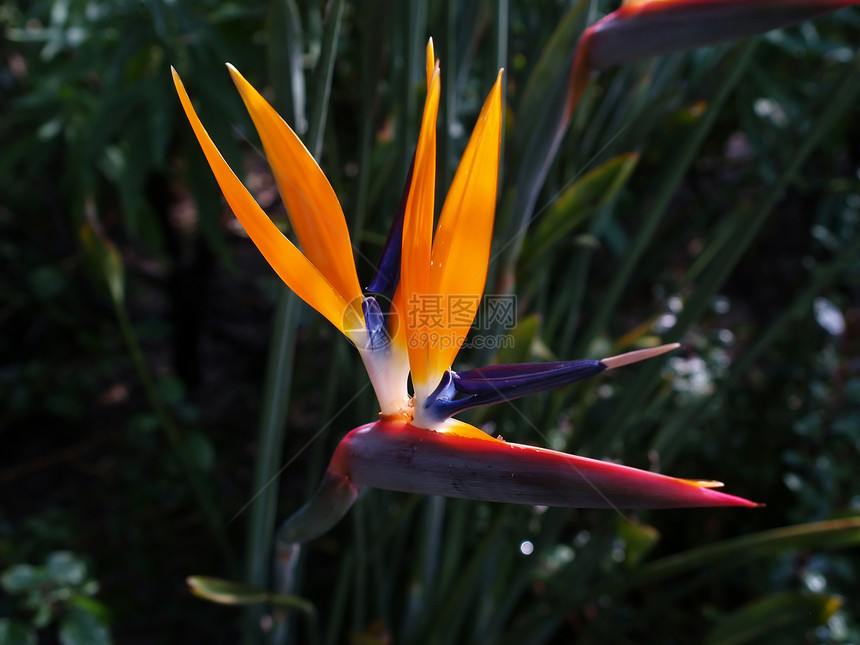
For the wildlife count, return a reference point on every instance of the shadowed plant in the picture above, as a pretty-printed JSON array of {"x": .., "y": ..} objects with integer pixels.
[
  {"x": 676, "y": 211},
  {"x": 433, "y": 283}
]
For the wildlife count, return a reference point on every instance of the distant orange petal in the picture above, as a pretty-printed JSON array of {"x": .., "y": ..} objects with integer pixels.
[
  {"x": 461, "y": 248},
  {"x": 312, "y": 205},
  {"x": 287, "y": 261},
  {"x": 418, "y": 302}
]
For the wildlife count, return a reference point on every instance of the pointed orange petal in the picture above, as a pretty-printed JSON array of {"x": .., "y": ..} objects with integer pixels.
[
  {"x": 419, "y": 303},
  {"x": 431, "y": 62},
  {"x": 397, "y": 326},
  {"x": 461, "y": 248},
  {"x": 462, "y": 429},
  {"x": 313, "y": 208},
  {"x": 287, "y": 261}
]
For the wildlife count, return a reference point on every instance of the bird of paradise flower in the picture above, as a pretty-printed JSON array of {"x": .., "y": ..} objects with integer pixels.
[{"x": 417, "y": 445}]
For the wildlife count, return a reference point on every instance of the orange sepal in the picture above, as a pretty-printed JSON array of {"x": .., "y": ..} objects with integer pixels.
[
  {"x": 461, "y": 247},
  {"x": 287, "y": 261},
  {"x": 417, "y": 241},
  {"x": 312, "y": 205}
]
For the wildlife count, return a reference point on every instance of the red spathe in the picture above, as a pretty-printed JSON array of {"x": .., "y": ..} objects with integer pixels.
[{"x": 402, "y": 457}]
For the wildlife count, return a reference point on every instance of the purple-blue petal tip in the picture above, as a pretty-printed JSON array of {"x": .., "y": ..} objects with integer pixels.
[
  {"x": 374, "y": 320},
  {"x": 387, "y": 273},
  {"x": 459, "y": 391}
]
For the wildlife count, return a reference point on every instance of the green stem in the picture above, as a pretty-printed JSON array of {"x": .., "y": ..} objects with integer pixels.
[
  {"x": 270, "y": 447},
  {"x": 322, "y": 78},
  {"x": 279, "y": 370}
]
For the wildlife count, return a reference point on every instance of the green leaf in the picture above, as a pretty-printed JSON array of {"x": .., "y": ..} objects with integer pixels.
[
  {"x": 66, "y": 569},
  {"x": 44, "y": 611},
  {"x": 576, "y": 203},
  {"x": 525, "y": 334},
  {"x": 200, "y": 450},
  {"x": 550, "y": 73},
  {"x": 91, "y": 606},
  {"x": 171, "y": 390},
  {"x": 541, "y": 123},
  {"x": 757, "y": 621},
  {"x": 79, "y": 627},
  {"x": 284, "y": 25},
  {"x": 13, "y": 632},
  {"x": 716, "y": 559},
  {"x": 227, "y": 592},
  {"x": 819, "y": 535},
  {"x": 638, "y": 538},
  {"x": 107, "y": 259},
  {"x": 22, "y": 577},
  {"x": 47, "y": 282}
]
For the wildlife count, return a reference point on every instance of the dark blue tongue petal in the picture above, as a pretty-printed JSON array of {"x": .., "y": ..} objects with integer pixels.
[
  {"x": 520, "y": 379},
  {"x": 461, "y": 391},
  {"x": 374, "y": 319},
  {"x": 388, "y": 270}
]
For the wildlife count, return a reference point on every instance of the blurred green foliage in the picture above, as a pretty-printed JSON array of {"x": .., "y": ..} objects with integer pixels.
[
  {"x": 706, "y": 194},
  {"x": 58, "y": 592}
]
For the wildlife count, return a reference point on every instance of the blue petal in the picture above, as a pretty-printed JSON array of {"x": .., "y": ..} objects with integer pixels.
[
  {"x": 388, "y": 270},
  {"x": 488, "y": 385},
  {"x": 374, "y": 319}
]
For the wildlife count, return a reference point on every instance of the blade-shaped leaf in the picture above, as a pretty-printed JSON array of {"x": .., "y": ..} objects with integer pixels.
[
  {"x": 228, "y": 592},
  {"x": 576, "y": 203},
  {"x": 789, "y": 613}
]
